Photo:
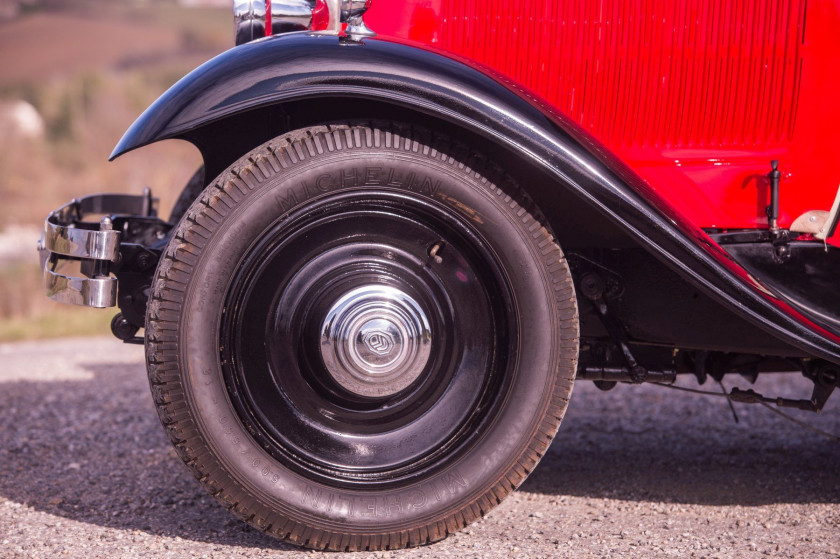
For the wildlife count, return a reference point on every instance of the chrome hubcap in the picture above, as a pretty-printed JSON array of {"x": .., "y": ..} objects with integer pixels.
[{"x": 375, "y": 341}]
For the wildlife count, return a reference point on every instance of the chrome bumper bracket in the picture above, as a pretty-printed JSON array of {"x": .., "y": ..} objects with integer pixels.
[
  {"x": 72, "y": 236},
  {"x": 88, "y": 292}
]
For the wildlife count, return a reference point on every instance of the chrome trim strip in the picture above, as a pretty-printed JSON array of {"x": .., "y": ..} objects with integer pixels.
[
  {"x": 291, "y": 15},
  {"x": 248, "y": 20},
  {"x": 88, "y": 292},
  {"x": 334, "y": 26},
  {"x": 80, "y": 243}
]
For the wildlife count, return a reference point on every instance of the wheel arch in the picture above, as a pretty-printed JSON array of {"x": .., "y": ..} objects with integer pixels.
[
  {"x": 574, "y": 222},
  {"x": 257, "y": 91}
]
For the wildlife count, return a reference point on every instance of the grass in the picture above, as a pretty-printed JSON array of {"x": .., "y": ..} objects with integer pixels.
[{"x": 62, "y": 321}]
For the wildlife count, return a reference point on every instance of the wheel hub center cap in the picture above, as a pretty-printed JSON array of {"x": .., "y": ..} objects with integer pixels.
[{"x": 375, "y": 340}]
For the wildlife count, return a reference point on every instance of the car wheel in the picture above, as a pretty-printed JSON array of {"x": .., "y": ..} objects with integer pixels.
[{"x": 361, "y": 337}]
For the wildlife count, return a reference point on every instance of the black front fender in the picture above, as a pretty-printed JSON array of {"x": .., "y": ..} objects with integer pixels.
[{"x": 304, "y": 66}]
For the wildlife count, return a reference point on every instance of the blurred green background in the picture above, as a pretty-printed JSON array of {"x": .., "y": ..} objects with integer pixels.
[{"x": 73, "y": 76}]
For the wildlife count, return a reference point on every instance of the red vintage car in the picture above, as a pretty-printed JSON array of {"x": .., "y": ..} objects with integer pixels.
[{"x": 419, "y": 222}]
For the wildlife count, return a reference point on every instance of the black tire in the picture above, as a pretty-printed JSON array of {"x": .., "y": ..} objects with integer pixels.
[
  {"x": 245, "y": 296},
  {"x": 188, "y": 195}
]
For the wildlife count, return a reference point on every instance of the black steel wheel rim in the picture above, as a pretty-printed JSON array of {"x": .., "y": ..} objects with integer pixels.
[{"x": 272, "y": 336}]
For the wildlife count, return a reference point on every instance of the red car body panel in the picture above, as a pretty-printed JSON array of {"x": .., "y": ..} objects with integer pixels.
[
  {"x": 684, "y": 125},
  {"x": 697, "y": 97}
]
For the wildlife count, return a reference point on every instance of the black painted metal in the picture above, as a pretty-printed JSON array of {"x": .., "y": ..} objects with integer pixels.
[
  {"x": 271, "y": 337},
  {"x": 773, "y": 208},
  {"x": 298, "y": 66},
  {"x": 807, "y": 274},
  {"x": 624, "y": 374}
]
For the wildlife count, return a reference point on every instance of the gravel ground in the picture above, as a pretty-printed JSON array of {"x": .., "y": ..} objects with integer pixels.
[{"x": 86, "y": 471}]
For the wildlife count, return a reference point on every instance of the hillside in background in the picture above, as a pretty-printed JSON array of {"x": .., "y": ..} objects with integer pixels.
[{"x": 73, "y": 76}]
